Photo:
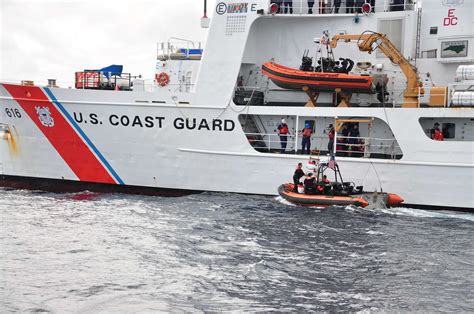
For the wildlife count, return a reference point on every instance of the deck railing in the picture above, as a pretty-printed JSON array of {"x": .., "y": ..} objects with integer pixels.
[
  {"x": 328, "y": 7},
  {"x": 346, "y": 145}
]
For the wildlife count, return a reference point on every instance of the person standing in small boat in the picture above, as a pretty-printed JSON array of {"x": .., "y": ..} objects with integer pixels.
[
  {"x": 309, "y": 184},
  {"x": 306, "y": 142},
  {"x": 283, "y": 133},
  {"x": 299, "y": 173}
]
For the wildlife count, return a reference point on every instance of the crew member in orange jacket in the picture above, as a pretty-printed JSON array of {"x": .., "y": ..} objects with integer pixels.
[
  {"x": 283, "y": 133},
  {"x": 436, "y": 134},
  {"x": 306, "y": 142}
]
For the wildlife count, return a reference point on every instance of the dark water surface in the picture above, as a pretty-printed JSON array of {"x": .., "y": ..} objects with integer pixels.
[{"x": 227, "y": 252}]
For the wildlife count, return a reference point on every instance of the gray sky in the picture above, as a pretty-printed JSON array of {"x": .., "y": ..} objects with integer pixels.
[{"x": 41, "y": 39}]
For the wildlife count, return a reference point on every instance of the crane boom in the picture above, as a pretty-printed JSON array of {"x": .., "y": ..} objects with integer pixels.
[{"x": 366, "y": 42}]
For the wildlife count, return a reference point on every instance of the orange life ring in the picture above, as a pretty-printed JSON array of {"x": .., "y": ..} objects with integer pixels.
[{"x": 162, "y": 78}]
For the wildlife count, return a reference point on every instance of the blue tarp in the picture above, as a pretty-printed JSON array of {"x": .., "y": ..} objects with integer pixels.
[
  {"x": 191, "y": 51},
  {"x": 113, "y": 69}
]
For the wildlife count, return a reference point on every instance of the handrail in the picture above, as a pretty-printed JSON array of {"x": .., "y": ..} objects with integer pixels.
[
  {"x": 328, "y": 7},
  {"x": 385, "y": 146}
]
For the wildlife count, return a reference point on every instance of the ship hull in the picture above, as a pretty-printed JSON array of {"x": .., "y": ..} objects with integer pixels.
[{"x": 106, "y": 137}]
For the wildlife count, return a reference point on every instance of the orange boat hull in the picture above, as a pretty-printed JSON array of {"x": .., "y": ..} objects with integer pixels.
[
  {"x": 290, "y": 78},
  {"x": 374, "y": 199},
  {"x": 285, "y": 190}
]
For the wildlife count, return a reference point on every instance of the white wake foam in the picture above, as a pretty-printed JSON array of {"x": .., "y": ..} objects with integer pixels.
[{"x": 402, "y": 211}]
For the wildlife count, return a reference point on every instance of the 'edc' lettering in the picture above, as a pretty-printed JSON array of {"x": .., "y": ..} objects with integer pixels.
[{"x": 451, "y": 20}]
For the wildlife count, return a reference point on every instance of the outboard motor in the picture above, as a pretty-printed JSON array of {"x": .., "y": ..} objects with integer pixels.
[
  {"x": 346, "y": 65},
  {"x": 382, "y": 94},
  {"x": 306, "y": 62}
]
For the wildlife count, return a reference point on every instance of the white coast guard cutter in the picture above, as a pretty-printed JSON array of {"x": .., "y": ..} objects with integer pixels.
[{"x": 210, "y": 114}]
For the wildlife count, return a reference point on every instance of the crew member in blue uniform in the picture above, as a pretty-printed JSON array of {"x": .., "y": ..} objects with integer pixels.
[
  {"x": 350, "y": 6},
  {"x": 310, "y": 6}
]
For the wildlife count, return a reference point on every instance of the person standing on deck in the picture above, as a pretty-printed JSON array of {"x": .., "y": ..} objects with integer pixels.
[
  {"x": 350, "y": 6},
  {"x": 354, "y": 140},
  {"x": 310, "y": 6},
  {"x": 288, "y": 6},
  {"x": 337, "y": 5},
  {"x": 306, "y": 142},
  {"x": 322, "y": 7},
  {"x": 344, "y": 139},
  {"x": 283, "y": 133},
  {"x": 358, "y": 5},
  {"x": 331, "y": 133}
]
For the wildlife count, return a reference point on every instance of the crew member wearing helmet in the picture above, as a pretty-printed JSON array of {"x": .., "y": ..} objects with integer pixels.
[
  {"x": 306, "y": 142},
  {"x": 283, "y": 133}
]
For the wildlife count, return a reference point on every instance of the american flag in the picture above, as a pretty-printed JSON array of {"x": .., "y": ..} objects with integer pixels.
[{"x": 332, "y": 163}]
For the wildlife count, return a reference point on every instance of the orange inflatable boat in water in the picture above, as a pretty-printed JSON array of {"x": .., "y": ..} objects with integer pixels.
[
  {"x": 286, "y": 191},
  {"x": 364, "y": 199},
  {"x": 290, "y": 78},
  {"x": 326, "y": 187}
]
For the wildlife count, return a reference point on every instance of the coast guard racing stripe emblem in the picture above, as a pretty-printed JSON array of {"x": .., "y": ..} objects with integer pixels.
[{"x": 57, "y": 125}]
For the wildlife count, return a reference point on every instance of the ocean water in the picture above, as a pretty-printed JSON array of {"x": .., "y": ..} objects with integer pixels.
[{"x": 226, "y": 252}]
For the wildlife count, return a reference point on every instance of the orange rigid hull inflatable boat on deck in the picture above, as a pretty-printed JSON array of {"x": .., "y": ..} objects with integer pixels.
[
  {"x": 290, "y": 78},
  {"x": 366, "y": 199}
]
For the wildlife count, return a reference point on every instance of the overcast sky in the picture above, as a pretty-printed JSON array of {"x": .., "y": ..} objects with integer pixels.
[{"x": 41, "y": 39}]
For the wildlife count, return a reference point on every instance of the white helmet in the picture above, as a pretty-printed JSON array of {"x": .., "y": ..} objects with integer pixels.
[{"x": 283, "y": 121}]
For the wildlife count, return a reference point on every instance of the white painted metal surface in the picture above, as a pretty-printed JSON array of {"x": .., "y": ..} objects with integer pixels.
[{"x": 191, "y": 138}]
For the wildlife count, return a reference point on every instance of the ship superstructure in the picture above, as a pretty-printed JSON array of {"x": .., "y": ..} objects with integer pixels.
[{"x": 208, "y": 120}]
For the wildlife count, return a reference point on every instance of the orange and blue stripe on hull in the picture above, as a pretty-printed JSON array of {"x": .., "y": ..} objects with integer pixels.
[{"x": 64, "y": 134}]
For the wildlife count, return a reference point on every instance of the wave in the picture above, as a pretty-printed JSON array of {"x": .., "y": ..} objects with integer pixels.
[{"x": 421, "y": 213}]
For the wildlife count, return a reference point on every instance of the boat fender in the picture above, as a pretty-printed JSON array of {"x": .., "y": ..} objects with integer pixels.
[
  {"x": 162, "y": 79},
  {"x": 394, "y": 199}
]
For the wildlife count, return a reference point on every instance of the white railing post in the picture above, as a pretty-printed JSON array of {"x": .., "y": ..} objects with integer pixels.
[
  {"x": 366, "y": 141},
  {"x": 296, "y": 133},
  {"x": 419, "y": 96},
  {"x": 445, "y": 95}
]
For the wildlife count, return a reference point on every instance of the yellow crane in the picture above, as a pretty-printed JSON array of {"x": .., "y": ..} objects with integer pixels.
[{"x": 371, "y": 41}]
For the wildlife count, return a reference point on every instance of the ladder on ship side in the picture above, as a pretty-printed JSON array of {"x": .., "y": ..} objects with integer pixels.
[
  {"x": 253, "y": 132},
  {"x": 418, "y": 36}
]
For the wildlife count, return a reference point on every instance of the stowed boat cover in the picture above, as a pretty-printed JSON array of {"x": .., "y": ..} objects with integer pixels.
[{"x": 113, "y": 69}]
